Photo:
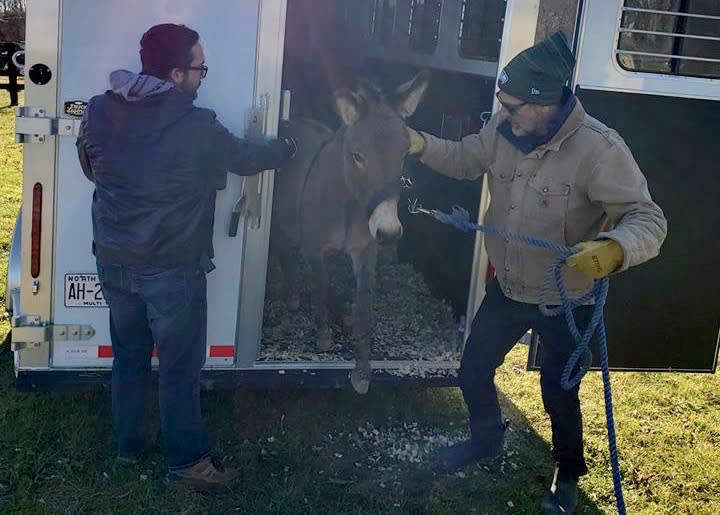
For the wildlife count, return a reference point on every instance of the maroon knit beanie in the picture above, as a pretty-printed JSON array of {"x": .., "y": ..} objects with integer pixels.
[{"x": 166, "y": 46}]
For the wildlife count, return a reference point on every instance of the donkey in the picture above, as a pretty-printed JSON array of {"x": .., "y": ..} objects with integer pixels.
[{"x": 340, "y": 194}]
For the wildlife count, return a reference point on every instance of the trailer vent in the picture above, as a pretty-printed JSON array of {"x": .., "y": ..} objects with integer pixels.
[{"x": 673, "y": 37}]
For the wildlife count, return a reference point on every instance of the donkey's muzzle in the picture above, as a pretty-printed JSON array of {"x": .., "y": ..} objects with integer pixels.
[
  {"x": 384, "y": 223},
  {"x": 386, "y": 237}
]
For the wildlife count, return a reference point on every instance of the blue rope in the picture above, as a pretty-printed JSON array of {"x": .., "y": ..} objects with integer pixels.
[{"x": 581, "y": 358}]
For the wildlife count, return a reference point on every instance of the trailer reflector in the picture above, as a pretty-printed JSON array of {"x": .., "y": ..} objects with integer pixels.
[
  {"x": 216, "y": 351},
  {"x": 36, "y": 229},
  {"x": 222, "y": 351},
  {"x": 105, "y": 351}
]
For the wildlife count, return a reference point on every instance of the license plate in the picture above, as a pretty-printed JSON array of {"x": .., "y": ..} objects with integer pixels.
[{"x": 83, "y": 291}]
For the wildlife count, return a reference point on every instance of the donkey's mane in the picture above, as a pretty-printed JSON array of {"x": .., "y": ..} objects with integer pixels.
[{"x": 370, "y": 90}]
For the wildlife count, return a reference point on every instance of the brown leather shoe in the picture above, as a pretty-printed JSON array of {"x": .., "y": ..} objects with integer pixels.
[{"x": 204, "y": 475}]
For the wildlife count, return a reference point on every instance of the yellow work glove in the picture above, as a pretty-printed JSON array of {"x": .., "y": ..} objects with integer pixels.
[
  {"x": 597, "y": 259},
  {"x": 417, "y": 142}
]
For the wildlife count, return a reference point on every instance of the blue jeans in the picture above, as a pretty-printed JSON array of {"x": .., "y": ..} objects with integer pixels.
[
  {"x": 167, "y": 308},
  {"x": 499, "y": 323}
]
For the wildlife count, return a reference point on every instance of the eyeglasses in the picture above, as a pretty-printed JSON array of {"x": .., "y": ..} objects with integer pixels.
[
  {"x": 510, "y": 108},
  {"x": 203, "y": 69}
]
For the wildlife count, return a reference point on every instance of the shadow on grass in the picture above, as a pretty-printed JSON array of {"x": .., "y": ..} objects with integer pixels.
[
  {"x": 376, "y": 449},
  {"x": 300, "y": 451}
]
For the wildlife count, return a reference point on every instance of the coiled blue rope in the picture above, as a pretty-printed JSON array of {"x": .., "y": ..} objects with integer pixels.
[{"x": 581, "y": 358}]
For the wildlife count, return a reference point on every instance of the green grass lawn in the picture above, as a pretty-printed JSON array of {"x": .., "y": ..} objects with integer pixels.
[
  {"x": 10, "y": 191},
  {"x": 336, "y": 452}
]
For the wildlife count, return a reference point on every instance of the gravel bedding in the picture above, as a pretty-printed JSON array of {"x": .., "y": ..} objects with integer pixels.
[
  {"x": 390, "y": 457},
  {"x": 392, "y": 445},
  {"x": 410, "y": 324},
  {"x": 391, "y": 462}
]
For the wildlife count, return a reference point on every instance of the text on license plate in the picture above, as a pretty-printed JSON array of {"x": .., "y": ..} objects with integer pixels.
[{"x": 83, "y": 291}]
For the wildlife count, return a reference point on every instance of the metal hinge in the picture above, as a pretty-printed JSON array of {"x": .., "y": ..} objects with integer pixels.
[
  {"x": 32, "y": 126},
  {"x": 30, "y": 331}
]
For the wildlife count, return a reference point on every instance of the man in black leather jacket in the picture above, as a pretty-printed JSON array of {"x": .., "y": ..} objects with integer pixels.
[{"x": 157, "y": 161}]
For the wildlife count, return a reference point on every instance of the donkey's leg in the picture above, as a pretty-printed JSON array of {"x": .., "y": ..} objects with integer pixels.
[
  {"x": 364, "y": 268},
  {"x": 289, "y": 266},
  {"x": 320, "y": 280},
  {"x": 285, "y": 250}
]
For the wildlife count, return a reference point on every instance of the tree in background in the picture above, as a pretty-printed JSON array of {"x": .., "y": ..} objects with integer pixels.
[
  {"x": 12, "y": 20},
  {"x": 556, "y": 15}
]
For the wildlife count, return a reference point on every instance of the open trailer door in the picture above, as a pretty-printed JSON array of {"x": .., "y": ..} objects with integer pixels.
[
  {"x": 650, "y": 70},
  {"x": 73, "y": 45}
]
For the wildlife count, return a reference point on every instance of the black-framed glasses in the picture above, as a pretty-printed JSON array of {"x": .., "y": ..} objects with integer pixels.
[
  {"x": 203, "y": 69},
  {"x": 510, "y": 108}
]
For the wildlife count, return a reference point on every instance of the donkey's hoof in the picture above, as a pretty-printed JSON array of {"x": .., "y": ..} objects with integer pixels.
[
  {"x": 325, "y": 341},
  {"x": 360, "y": 378}
]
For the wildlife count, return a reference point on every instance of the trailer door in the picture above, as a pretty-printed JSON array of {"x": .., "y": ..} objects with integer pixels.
[
  {"x": 650, "y": 70},
  {"x": 101, "y": 36}
]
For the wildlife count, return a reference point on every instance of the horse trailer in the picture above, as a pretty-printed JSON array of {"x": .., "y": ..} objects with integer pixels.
[{"x": 648, "y": 68}]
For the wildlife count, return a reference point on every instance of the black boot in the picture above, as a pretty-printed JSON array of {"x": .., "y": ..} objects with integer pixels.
[
  {"x": 562, "y": 495},
  {"x": 485, "y": 445}
]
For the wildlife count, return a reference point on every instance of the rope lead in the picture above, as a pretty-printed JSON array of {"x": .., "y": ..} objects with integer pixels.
[{"x": 581, "y": 358}]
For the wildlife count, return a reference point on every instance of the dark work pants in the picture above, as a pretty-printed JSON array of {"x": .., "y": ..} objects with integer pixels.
[
  {"x": 166, "y": 307},
  {"x": 499, "y": 323}
]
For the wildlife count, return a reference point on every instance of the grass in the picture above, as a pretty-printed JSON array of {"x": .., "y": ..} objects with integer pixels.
[
  {"x": 10, "y": 191},
  {"x": 306, "y": 451}
]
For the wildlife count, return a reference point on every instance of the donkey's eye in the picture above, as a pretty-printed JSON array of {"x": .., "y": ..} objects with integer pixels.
[{"x": 359, "y": 159}]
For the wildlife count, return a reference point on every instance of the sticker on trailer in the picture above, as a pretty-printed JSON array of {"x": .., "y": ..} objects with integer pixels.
[
  {"x": 75, "y": 108},
  {"x": 83, "y": 291}
]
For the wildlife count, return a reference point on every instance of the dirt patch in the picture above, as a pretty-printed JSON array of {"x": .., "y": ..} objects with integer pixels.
[{"x": 394, "y": 459}]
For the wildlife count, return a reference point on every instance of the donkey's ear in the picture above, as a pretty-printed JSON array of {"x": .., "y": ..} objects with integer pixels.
[
  {"x": 411, "y": 93},
  {"x": 349, "y": 106}
]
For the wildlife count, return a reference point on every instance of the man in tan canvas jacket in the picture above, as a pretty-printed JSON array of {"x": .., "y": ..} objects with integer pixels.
[{"x": 557, "y": 174}]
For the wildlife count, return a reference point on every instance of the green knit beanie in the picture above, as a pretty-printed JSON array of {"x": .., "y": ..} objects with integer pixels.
[{"x": 537, "y": 74}]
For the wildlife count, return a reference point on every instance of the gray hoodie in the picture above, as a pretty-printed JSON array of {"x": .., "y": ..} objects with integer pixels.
[{"x": 133, "y": 86}]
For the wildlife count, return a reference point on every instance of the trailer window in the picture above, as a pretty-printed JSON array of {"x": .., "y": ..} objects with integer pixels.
[
  {"x": 674, "y": 37},
  {"x": 385, "y": 21},
  {"x": 424, "y": 25},
  {"x": 358, "y": 16},
  {"x": 481, "y": 25}
]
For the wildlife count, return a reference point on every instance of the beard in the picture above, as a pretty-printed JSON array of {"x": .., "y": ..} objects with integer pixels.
[
  {"x": 519, "y": 131},
  {"x": 190, "y": 88}
]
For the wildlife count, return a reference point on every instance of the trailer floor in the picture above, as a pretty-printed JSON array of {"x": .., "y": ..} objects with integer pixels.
[{"x": 410, "y": 324}]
